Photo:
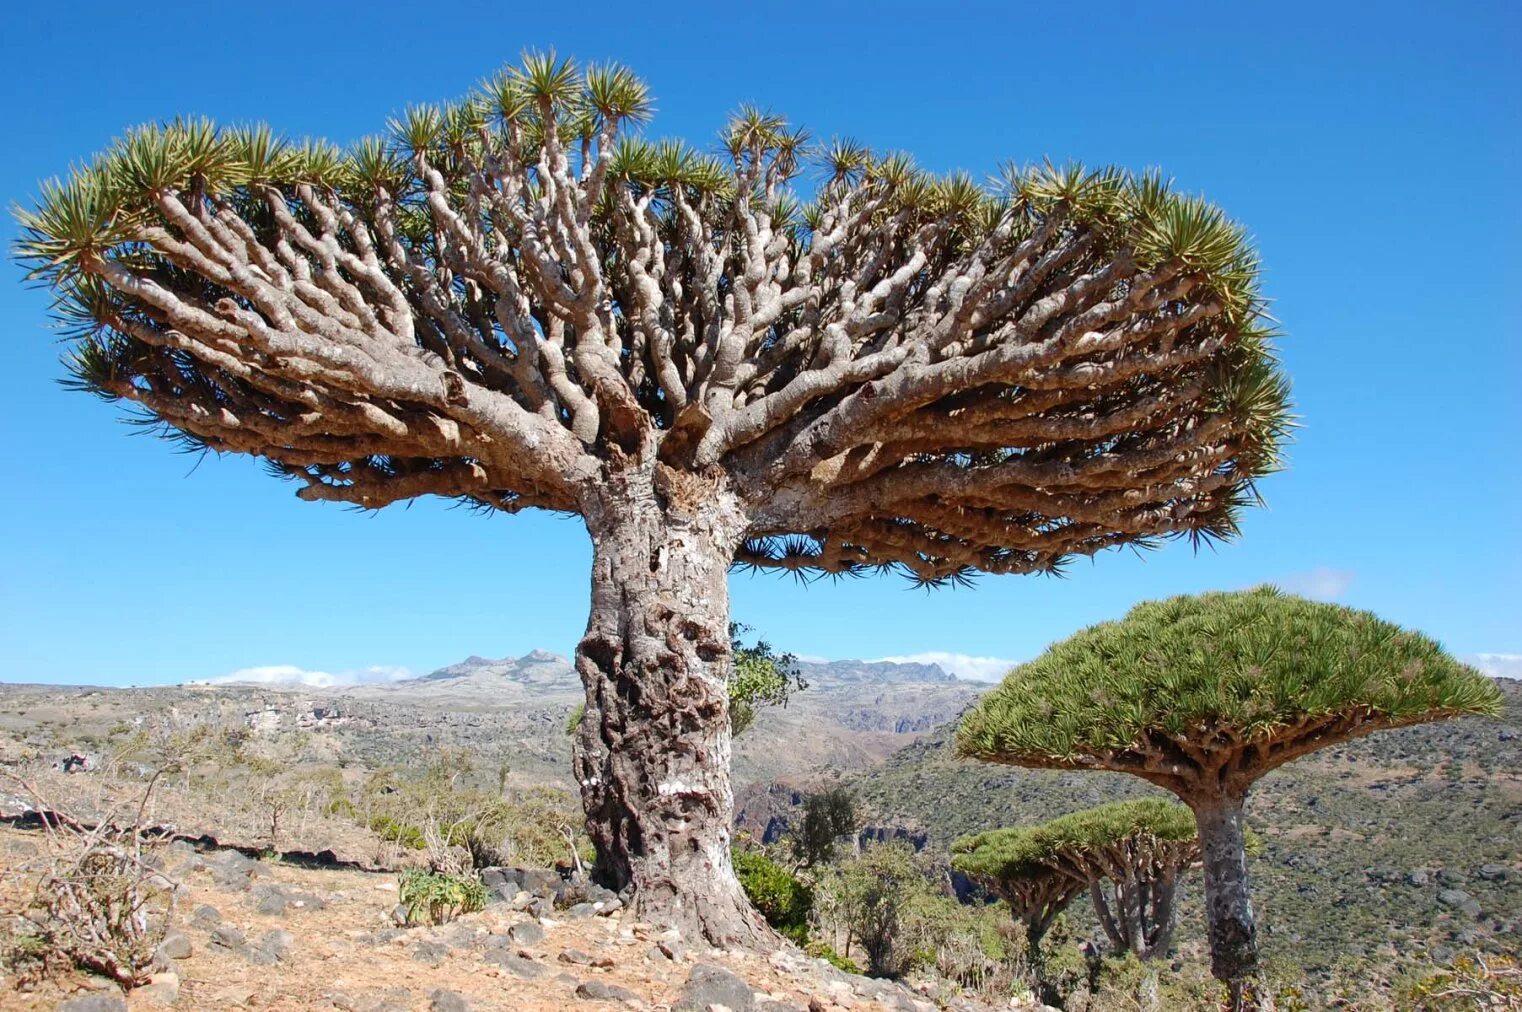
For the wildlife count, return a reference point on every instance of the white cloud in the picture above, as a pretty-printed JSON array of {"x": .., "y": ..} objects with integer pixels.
[
  {"x": 290, "y": 674},
  {"x": 978, "y": 669},
  {"x": 1497, "y": 665},
  {"x": 1322, "y": 583}
]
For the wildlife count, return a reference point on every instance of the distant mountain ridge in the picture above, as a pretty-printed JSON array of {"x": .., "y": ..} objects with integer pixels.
[
  {"x": 877, "y": 672},
  {"x": 547, "y": 673}
]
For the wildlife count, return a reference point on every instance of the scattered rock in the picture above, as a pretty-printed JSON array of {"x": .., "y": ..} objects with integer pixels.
[
  {"x": 233, "y": 871},
  {"x": 94, "y": 1003},
  {"x": 596, "y": 990},
  {"x": 1459, "y": 900},
  {"x": 708, "y": 985},
  {"x": 205, "y": 916},
  {"x": 581, "y": 911},
  {"x": 672, "y": 949},
  {"x": 161, "y": 989},
  {"x": 175, "y": 946},
  {"x": 444, "y": 1000},
  {"x": 1449, "y": 877},
  {"x": 575, "y": 957},
  {"x": 1417, "y": 877},
  {"x": 277, "y": 943},
  {"x": 526, "y": 933},
  {"x": 1493, "y": 872},
  {"x": 460, "y": 936},
  {"x": 515, "y": 964},
  {"x": 228, "y": 937},
  {"x": 260, "y": 957},
  {"x": 494, "y": 877},
  {"x": 431, "y": 953}
]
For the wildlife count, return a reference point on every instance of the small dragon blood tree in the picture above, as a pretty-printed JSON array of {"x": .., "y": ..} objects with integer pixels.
[
  {"x": 1203, "y": 696},
  {"x": 1128, "y": 854},
  {"x": 1018, "y": 866}
]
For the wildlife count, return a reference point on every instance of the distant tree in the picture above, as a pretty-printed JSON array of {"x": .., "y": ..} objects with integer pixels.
[
  {"x": 1204, "y": 695},
  {"x": 1003, "y": 862},
  {"x": 516, "y": 302},
  {"x": 1128, "y": 855},
  {"x": 874, "y": 893},
  {"x": 827, "y": 816}
]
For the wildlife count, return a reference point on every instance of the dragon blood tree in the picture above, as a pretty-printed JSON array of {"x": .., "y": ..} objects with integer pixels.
[
  {"x": 1008, "y": 864},
  {"x": 1128, "y": 855},
  {"x": 1204, "y": 695},
  {"x": 517, "y": 302}
]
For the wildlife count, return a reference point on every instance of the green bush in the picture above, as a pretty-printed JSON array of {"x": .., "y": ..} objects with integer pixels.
[
  {"x": 820, "y": 950},
  {"x": 388, "y": 828},
  {"x": 434, "y": 898},
  {"x": 784, "y": 901},
  {"x": 871, "y": 897}
]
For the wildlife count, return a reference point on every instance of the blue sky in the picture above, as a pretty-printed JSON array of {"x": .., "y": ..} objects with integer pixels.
[{"x": 1375, "y": 159}]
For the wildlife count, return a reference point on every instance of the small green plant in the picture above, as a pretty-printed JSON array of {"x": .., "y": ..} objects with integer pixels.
[
  {"x": 1473, "y": 981},
  {"x": 430, "y": 897},
  {"x": 784, "y": 901},
  {"x": 390, "y": 829},
  {"x": 819, "y": 950}
]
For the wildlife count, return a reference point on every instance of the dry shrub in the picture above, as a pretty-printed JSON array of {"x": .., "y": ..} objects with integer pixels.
[{"x": 91, "y": 898}]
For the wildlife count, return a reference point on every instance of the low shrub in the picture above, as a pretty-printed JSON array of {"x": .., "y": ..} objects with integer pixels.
[
  {"x": 820, "y": 950},
  {"x": 1472, "y": 981},
  {"x": 393, "y": 831},
  {"x": 91, "y": 898},
  {"x": 784, "y": 901},
  {"x": 433, "y": 898}
]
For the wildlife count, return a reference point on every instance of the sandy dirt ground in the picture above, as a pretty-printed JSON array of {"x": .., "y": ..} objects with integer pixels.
[{"x": 345, "y": 952}]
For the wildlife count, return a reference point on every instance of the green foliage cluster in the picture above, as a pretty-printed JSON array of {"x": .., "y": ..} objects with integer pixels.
[
  {"x": 389, "y": 829},
  {"x": 430, "y": 897},
  {"x": 1253, "y": 662},
  {"x": 1018, "y": 852},
  {"x": 1343, "y": 835},
  {"x": 819, "y": 950},
  {"x": 98, "y": 214},
  {"x": 759, "y": 676},
  {"x": 827, "y": 816},
  {"x": 872, "y": 895},
  {"x": 780, "y": 897}
]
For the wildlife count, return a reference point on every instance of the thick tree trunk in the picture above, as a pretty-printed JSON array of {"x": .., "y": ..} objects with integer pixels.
[
  {"x": 652, "y": 754},
  {"x": 1228, "y": 902},
  {"x": 1138, "y": 917}
]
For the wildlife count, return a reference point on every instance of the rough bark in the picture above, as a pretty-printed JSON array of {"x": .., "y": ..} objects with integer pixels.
[
  {"x": 1228, "y": 902},
  {"x": 652, "y": 753}
]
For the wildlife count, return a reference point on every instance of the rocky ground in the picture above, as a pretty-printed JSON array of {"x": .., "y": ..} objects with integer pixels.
[{"x": 252, "y": 934}]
